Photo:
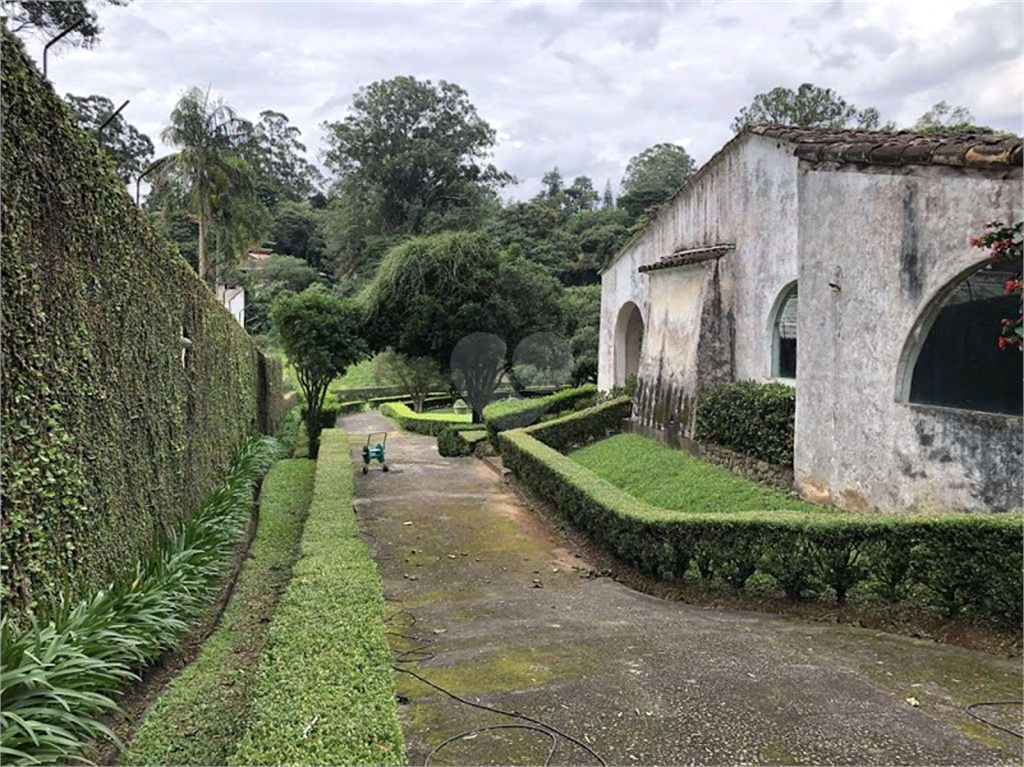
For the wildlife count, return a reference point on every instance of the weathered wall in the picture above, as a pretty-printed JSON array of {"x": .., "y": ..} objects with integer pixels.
[
  {"x": 713, "y": 318},
  {"x": 891, "y": 240},
  {"x": 107, "y": 437}
]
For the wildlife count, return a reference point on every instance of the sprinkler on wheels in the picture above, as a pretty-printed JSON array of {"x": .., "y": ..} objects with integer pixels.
[{"x": 371, "y": 452}]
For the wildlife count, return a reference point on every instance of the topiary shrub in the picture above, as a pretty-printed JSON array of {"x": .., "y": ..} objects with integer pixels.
[{"x": 752, "y": 418}]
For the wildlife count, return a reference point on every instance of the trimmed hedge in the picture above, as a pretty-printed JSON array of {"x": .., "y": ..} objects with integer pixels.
[
  {"x": 453, "y": 441},
  {"x": 326, "y": 694},
  {"x": 431, "y": 424},
  {"x": 515, "y": 414},
  {"x": 583, "y": 427},
  {"x": 750, "y": 417},
  {"x": 109, "y": 438},
  {"x": 957, "y": 562}
]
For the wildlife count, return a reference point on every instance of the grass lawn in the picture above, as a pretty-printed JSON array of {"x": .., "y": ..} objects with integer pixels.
[
  {"x": 674, "y": 479},
  {"x": 202, "y": 715},
  {"x": 358, "y": 376}
]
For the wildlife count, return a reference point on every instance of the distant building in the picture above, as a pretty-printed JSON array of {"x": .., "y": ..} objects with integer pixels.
[
  {"x": 903, "y": 400},
  {"x": 233, "y": 299}
]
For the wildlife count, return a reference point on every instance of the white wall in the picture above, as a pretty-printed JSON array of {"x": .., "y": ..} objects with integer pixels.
[{"x": 892, "y": 239}]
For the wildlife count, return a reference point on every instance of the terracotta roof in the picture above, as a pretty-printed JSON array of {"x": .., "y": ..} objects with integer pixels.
[
  {"x": 968, "y": 150},
  {"x": 690, "y": 256}
]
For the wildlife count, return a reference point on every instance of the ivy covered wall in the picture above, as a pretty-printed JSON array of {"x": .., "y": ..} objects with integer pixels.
[{"x": 107, "y": 436}]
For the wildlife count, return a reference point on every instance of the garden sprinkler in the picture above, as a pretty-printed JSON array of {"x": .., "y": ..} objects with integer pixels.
[{"x": 371, "y": 452}]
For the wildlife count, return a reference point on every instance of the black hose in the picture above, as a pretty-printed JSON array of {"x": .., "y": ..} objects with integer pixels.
[{"x": 993, "y": 724}]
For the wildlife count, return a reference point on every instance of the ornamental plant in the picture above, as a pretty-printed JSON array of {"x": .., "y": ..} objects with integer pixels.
[{"x": 1005, "y": 244}]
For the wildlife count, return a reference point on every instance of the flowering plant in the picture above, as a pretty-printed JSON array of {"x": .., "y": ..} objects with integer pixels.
[{"x": 1005, "y": 244}]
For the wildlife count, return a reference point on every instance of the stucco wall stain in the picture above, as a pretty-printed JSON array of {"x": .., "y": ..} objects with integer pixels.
[{"x": 910, "y": 279}]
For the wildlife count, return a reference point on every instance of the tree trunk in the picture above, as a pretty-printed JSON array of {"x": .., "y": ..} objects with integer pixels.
[
  {"x": 201, "y": 249},
  {"x": 478, "y": 417}
]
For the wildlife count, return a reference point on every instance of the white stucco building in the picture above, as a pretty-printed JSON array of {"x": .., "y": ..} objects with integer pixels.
[{"x": 838, "y": 261}]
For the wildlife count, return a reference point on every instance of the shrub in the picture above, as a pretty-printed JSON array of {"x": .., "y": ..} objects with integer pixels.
[
  {"x": 460, "y": 439},
  {"x": 325, "y": 693},
  {"x": 752, "y": 418},
  {"x": 583, "y": 427},
  {"x": 514, "y": 414},
  {"x": 62, "y": 671},
  {"x": 963, "y": 562}
]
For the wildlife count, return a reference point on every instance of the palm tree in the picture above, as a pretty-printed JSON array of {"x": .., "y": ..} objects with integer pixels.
[{"x": 218, "y": 183}]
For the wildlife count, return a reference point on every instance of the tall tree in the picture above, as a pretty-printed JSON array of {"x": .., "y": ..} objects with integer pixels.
[
  {"x": 410, "y": 153},
  {"x": 49, "y": 17},
  {"x": 808, "y": 107},
  {"x": 457, "y": 292},
  {"x": 321, "y": 335},
  {"x": 131, "y": 150},
  {"x": 273, "y": 149},
  {"x": 217, "y": 182},
  {"x": 653, "y": 176},
  {"x": 943, "y": 118}
]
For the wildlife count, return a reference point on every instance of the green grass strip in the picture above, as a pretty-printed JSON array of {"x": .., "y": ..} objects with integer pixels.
[
  {"x": 202, "y": 715},
  {"x": 674, "y": 479},
  {"x": 326, "y": 693}
]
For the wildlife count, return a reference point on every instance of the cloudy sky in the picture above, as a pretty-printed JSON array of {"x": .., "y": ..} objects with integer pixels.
[{"x": 581, "y": 85}]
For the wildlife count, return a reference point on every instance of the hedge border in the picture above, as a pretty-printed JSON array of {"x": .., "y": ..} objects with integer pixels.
[
  {"x": 326, "y": 692},
  {"x": 412, "y": 421},
  {"x": 958, "y": 560},
  {"x": 502, "y": 415}
]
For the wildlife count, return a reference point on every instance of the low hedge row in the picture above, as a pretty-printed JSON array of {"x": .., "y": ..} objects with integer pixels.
[
  {"x": 453, "y": 442},
  {"x": 325, "y": 693},
  {"x": 750, "y": 417},
  {"x": 515, "y": 414},
  {"x": 431, "y": 424},
  {"x": 958, "y": 562},
  {"x": 435, "y": 399},
  {"x": 583, "y": 427}
]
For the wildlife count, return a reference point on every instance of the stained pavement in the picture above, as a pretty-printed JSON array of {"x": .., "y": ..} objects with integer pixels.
[{"x": 487, "y": 602}]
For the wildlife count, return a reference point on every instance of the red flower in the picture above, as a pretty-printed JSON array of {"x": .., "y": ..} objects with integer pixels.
[
  {"x": 1002, "y": 342},
  {"x": 974, "y": 242}
]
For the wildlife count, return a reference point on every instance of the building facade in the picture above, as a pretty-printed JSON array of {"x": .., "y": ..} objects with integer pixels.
[{"x": 838, "y": 262}]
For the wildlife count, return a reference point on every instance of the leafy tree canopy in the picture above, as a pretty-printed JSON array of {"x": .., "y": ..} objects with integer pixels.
[
  {"x": 321, "y": 335},
  {"x": 653, "y": 176},
  {"x": 430, "y": 293},
  {"x": 273, "y": 149},
  {"x": 808, "y": 107},
  {"x": 411, "y": 150},
  {"x": 295, "y": 232},
  {"x": 131, "y": 150},
  {"x": 49, "y": 17},
  {"x": 218, "y": 184}
]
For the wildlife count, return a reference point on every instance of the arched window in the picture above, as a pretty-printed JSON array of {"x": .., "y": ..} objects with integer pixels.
[
  {"x": 959, "y": 364},
  {"x": 784, "y": 335}
]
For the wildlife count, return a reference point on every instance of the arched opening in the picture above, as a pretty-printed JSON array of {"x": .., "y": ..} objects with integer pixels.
[
  {"x": 952, "y": 357},
  {"x": 629, "y": 337},
  {"x": 784, "y": 323}
]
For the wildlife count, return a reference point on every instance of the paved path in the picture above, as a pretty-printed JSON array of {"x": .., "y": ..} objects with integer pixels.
[{"x": 512, "y": 621}]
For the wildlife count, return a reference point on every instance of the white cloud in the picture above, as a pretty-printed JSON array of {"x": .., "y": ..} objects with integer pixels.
[{"x": 581, "y": 85}]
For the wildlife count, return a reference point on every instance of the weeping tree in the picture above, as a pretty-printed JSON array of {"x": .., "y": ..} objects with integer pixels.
[
  {"x": 322, "y": 334},
  {"x": 432, "y": 294},
  {"x": 218, "y": 184}
]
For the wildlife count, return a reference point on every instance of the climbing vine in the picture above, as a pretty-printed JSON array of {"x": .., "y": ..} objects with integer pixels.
[
  {"x": 1005, "y": 244},
  {"x": 107, "y": 438}
]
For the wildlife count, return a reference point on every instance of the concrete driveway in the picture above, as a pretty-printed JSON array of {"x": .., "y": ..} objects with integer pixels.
[{"x": 486, "y": 602}]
